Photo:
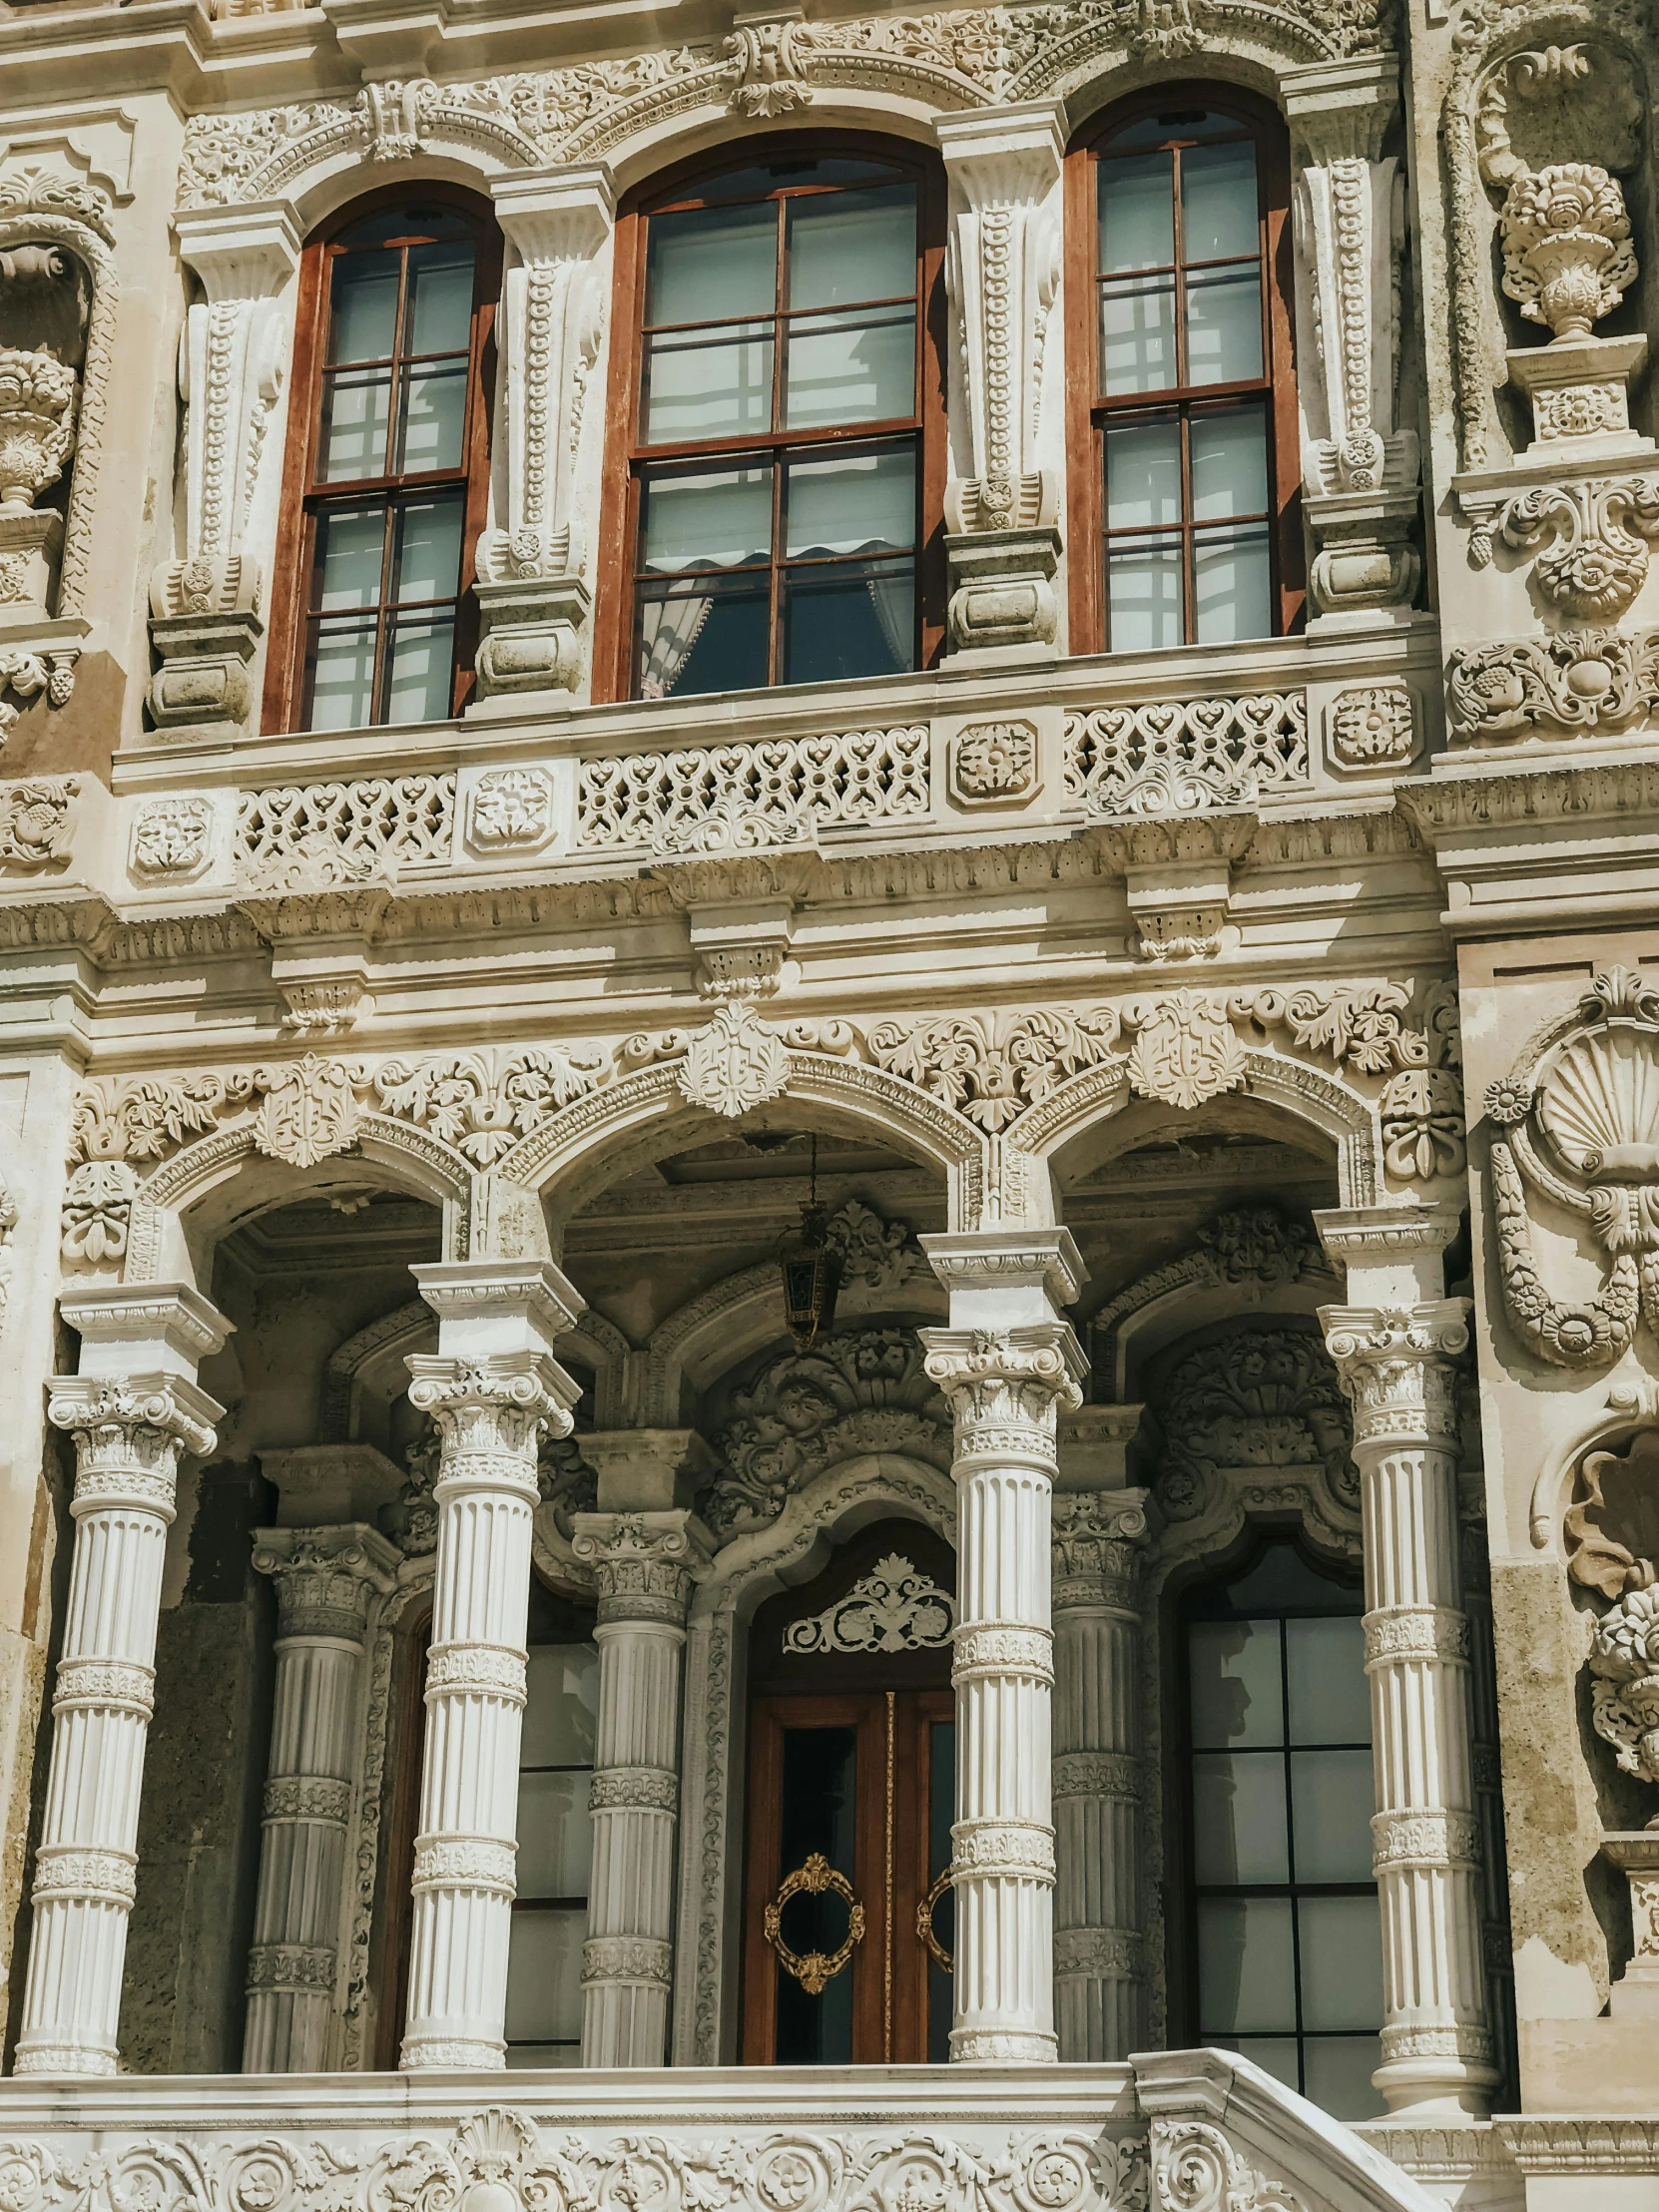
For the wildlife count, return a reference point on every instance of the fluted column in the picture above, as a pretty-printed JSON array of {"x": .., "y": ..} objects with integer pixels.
[
  {"x": 1099, "y": 1913},
  {"x": 643, "y": 1565},
  {"x": 1006, "y": 1365},
  {"x": 492, "y": 1389},
  {"x": 133, "y": 1409},
  {"x": 1397, "y": 1360},
  {"x": 326, "y": 1580}
]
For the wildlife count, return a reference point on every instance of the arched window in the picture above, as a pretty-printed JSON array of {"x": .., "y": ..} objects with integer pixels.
[
  {"x": 386, "y": 470},
  {"x": 781, "y": 419},
  {"x": 1283, "y": 1937},
  {"x": 1183, "y": 434}
]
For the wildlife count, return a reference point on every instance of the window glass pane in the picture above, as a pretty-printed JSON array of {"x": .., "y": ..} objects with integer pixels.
[
  {"x": 362, "y": 318},
  {"x": 355, "y": 404},
  {"x": 342, "y": 678},
  {"x": 561, "y": 1706},
  {"x": 524, "y": 2057},
  {"x": 1230, "y": 464},
  {"x": 1233, "y": 585},
  {"x": 1245, "y": 1964},
  {"x": 433, "y": 429},
  {"x": 1236, "y": 1696},
  {"x": 851, "y": 368},
  {"x": 351, "y": 543},
  {"x": 1275, "y": 2054},
  {"x": 703, "y": 637},
  {"x": 1339, "y": 2071},
  {"x": 427, "y": 551},
  {"x": 1137, "y": 213},
  {"x": 1143, "y": 594},
  {"x": 1143, "y": 474},
  {"x": 555, "y": 1844},
  {"x": 714, "y": 385},
  {"x": 719, "y": 520},
  {"x": 440, "y": 299},
  {"x": 544, "y": 1977},
  {"x": 1224, "y": 325},
  {"x": 851, "y": 246},
  {"x": 420, "y": 669},
  {"x": 851, "y": 503},
  {"x": 1239, "y": 1817},
  {"x": 1341, "y": 1962},
  {"x": 1137, "y": 334},
  {"x": 847, "y": 619},
  {"x": 1331, "y": 1803},
  {"x": 1329, "y": 1695},
  {"x": 712, "y": 264},
  {"x": 1218, "y": 202}
]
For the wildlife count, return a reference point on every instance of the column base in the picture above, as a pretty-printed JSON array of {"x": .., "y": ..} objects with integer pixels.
[
  {"x": 451, "y": 2055},
  {"x": 1422, "y": 2086},
  {"x": 1003, "y": 2046},
  {"x": 90, "y": 2061}
]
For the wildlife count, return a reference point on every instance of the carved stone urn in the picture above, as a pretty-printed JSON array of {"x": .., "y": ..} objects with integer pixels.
[
  {"x": 1567, "y": 254},
  {"x": 37, "y": 424},
  {"x": 1624, "y": 1665}
]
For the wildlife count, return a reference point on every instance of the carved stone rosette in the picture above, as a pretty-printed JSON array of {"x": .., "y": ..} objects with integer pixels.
[
  {"x": 326, "y": 1580},
  {"x": 130, "y": 1430},
  {"x": 1398, "y": 1371},
  {"x": 644, "y": 1565},
  {"x": 491, "y": 1408},
  {"x": 1005, "y": 1388}
]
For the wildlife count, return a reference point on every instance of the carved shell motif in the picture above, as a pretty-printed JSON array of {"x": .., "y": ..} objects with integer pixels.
[{"x": 1600, "y": 1105}]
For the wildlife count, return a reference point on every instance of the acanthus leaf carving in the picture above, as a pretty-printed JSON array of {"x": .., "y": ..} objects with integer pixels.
[
  {"x": 1264, "y": 1397},
  {"x": 1600, "y": 562},
  {"x": 895, "y": 1607}
]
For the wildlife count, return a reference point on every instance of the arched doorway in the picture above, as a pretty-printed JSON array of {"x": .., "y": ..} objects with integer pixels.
[{"x": 852, "y": 1786}]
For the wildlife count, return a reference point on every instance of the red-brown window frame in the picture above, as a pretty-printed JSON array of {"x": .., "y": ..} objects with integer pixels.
[
  {"x": 284, "y": 681},
  {"x": 1086, "y": 440},
  {"x": 613, "y": 670}
]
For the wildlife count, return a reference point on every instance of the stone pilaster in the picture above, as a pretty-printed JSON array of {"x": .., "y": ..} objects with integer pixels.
[
  {"x": 1099, "y": 1812},
  {"x": 133, "y": 1411},
  {"x": 1007, "y": 1364},
  {"x": 325, "y": 1580},
  {"x": 644, "y": 1565},
  {"x": 492, "y": 1389},
  {"x": 1397, "y": 1360}
]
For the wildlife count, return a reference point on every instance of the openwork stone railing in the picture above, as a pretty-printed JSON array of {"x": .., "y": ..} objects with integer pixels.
[
  {"x": 349, "y": 830},
  {"x": 747, "y": 796},
  {"x": 1182, "y": 2131},
  {"x": 1175, "y": 756}
]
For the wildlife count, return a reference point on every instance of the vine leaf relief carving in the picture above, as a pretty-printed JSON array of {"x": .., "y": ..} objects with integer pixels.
[
  {"x": 1581, "y": 1123},
  {"x": 895, "y": 1607}
]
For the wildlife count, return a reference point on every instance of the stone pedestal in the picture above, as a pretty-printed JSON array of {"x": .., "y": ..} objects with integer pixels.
[
  {"x": 1635, "y": 1852},
  {"x": 326, "y": 1580},
  {"x": 1006, "y": 1365},
  {"x": 133, "y": 1411},
  {"x": 1396, "y": 1360},
  {"x": 1002, "y": 590},
  {"x": 493, "y": 1389}
]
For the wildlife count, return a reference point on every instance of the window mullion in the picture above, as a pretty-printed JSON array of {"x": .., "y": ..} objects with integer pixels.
[{"x": 383, "y": 619}]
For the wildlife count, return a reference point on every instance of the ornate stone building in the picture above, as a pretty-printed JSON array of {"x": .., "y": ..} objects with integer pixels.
[{"x": 830, "y": 1327}]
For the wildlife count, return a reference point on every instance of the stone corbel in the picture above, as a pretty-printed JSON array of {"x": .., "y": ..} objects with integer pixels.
[
  {"x": 1359, "y": 467},
  {"x": 205, "y": 606},
  {"x": 1178, "y": 878},
  {"x": 1004, "y": 271},
  {"x": 532, "y": 591}
]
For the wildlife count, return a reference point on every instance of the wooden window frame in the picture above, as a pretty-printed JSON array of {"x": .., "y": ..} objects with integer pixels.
[
  {"x": 613, "y": 672},
  {"x": 1085, "y": 412},
  {"x": 291, "y": 569}
]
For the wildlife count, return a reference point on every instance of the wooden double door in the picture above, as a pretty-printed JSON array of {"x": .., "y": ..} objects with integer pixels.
[{"x": 852, "y": 1795}]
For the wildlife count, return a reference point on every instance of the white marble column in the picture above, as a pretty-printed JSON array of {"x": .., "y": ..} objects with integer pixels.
[
  {"x": 1395, "y": 1349},
  {"x": 643, "y": 1565},
  {"x": 1099, "y": 1908},
  {"x": 492, "y": 1389},
  {"x": 326, "y": 1580},
  {"x": 1008, "y": 1364},
  {"x": 133, "y": 1409}
]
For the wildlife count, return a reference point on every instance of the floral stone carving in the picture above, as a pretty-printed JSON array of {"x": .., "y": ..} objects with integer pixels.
[
  {"x": 1266, "y": 1399},
  {"x": 37, "y": 422},
  {"x": 895, "y": 1607},
  {"x": 512, "y": 810},
  {"x": 1374, "y": 726},
  {"x": 170, "y": 836},
  {"x": 1581, "y": 1125},
  {"x": 734, "y": 1063},
  {"x": 993, "y": 764},
  {"x": 1597, "y": 533},
  {"x": 1575, "y": 680}
]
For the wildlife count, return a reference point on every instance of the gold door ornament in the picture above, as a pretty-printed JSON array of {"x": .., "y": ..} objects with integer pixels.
[{"x": 815, "y": 1969}]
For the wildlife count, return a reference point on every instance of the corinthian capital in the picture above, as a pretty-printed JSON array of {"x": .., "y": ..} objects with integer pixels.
[
  {"x": 1397, "y": 1366},
  {"x": 326, "y": 1577},
  {"x": 1007, "y": 1384},
  {"x": 129, "y": 1431},
  {"x": 644, "y": 1565},
  {"x": 496, "y": 1407}
]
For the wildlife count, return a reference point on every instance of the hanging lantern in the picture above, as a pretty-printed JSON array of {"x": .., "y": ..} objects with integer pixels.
[{"x": 812, "y": 1271}]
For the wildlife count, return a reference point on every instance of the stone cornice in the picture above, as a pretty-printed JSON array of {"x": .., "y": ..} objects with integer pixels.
[{"x": 1453, "y": 809}]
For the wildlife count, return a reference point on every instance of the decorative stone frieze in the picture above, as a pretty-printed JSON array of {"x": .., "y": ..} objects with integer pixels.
[
  {"x": 133, "y": 1411},
  {"x": 1396, "y": 1363},
  {"x": 643, "y": 1566},
  {"x": 308, "y": 836},
  {"x": 326, "y": 1580},
  {"x": 491, "y": 1389},
  {"x": 1572, "y": 682},
  {"x": 748, "y": 798},
  {"x": 1182, "y": 756}
]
